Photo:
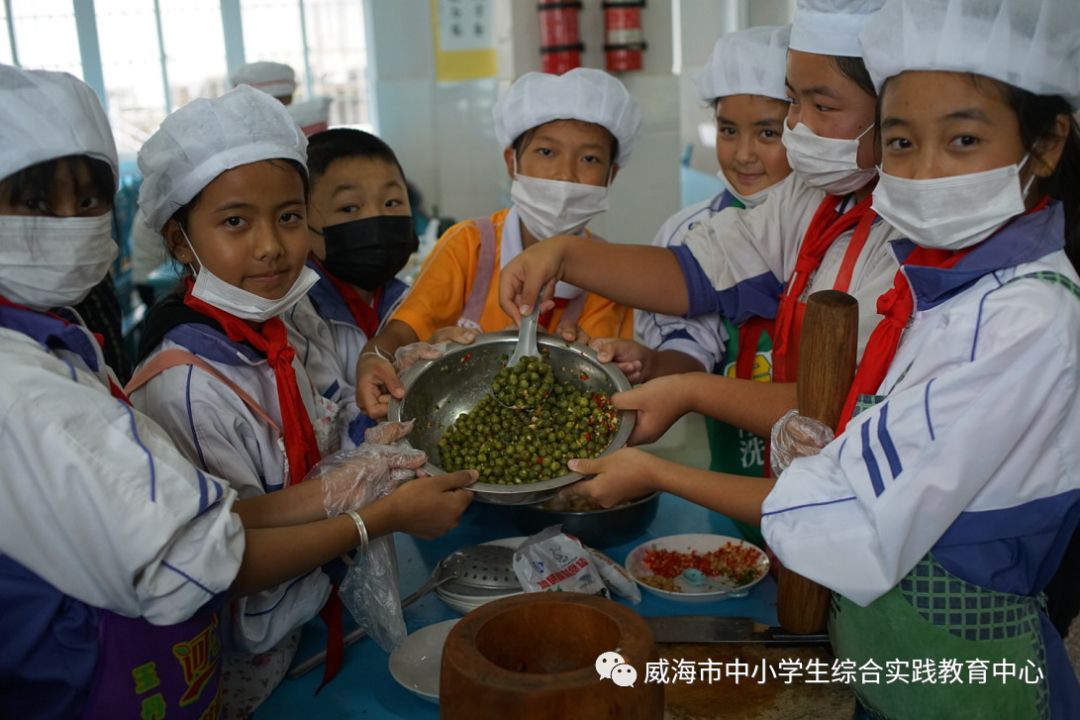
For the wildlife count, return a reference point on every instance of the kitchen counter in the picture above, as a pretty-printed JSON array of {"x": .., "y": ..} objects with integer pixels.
[{"x": 365, "y": 689}]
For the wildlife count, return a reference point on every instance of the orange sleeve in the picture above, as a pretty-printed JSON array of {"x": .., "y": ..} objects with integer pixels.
[
  {"x": 602, "y": 318},
  {"x": 438, "y": 294}
]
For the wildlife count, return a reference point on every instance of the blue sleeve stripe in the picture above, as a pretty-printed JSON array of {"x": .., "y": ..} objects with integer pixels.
[
  {"x": 809, "y": 505},
  {"x": 887, "y": 444},
  {"x": 757, "y": 296},
  {"x": 926, "y": 407},
  {"x": 676, "y": 335},
  {"x": 191, "y": 418},
  {"x": 699, "y": 288},
  {"x": 187, "y": 577},
  {"x": 331, "y": 392},
  {"x": 204, "y": 492},
  {"x": 871, "y": 461},
  {"x": 149, "y": 455},
  {"x": 281, "y": 597},
  {"x": 358, "y": 427},
  {"x": 978, "y": 318}
]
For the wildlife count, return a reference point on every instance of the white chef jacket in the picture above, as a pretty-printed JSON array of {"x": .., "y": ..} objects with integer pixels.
[
  {"x": 972, "y": 453},
  {"x": 97, "y": 500},
  {"x": 737, "y": 261},
  {"x": 703, "y": 338},
  {"x": 348, "y": 339},
  {"x": 219, "y": 433}
]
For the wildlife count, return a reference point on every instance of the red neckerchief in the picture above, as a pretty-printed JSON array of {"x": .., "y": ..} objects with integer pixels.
[
  {"x": 364, "y": 314},
  {"x": 826, "y": 226},
  {"x": 115, "y": 390},
  {"x": 272, "y": 339},
  {"x": 750, "y": 333},
  {"x": 897, "y": 306}
]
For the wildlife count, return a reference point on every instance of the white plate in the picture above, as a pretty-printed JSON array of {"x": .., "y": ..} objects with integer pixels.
[
  {"x": 415, "y": 665},
  {"x": 721, "y": 587},
  {"x": 464, "y": 603}
]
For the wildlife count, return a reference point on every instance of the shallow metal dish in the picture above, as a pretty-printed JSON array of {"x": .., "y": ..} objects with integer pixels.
[
  {"x": 598, "y": 528},
  {"x": 437, "y": 391}
]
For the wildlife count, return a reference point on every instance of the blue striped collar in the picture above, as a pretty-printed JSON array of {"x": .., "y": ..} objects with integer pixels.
[{"x": 1024, "y": 239}]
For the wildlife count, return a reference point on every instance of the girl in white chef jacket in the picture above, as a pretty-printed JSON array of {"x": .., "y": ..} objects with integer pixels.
[
  {"x": 945, "y": 506},
  {"x": 218, "y": 371},
  {"x": 116, "y": 553}
]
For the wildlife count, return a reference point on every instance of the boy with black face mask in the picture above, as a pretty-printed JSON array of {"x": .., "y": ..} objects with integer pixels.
[{"x": 362, "y": 234}]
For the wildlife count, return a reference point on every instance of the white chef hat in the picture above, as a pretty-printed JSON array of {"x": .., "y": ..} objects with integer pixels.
[
  {"x": 205, "y": 138},
  {"x": 273, "y": 78},
  {"x": 582, "y": 94},
  {"x": 748, "y": 62},
  {"x": 831, "y": 27},
  {"x": 311, "y": 115},
  {"x": 50, "y": 115},
  {"x": 1031, "y": 44}
]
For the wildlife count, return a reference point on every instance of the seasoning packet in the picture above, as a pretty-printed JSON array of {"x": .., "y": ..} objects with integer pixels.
[{"x": 552, "y": 561}]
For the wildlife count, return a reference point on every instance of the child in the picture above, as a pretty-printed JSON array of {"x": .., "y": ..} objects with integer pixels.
[
  {"x": 941, "y": 512},
  {"x": 814, "y": 231},
  {"x": 565, "y": 139},
  {"x": 743, "y": 81},
  {"x": 219, "y": 372},
  {"x": 115, "y": 552},
  {"x": 362, "y": 234}
]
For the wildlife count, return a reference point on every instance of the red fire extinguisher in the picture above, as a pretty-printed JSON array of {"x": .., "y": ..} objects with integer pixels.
[
  {"x": 624, "y": 40},
  {"x": 560, "y": 46}
]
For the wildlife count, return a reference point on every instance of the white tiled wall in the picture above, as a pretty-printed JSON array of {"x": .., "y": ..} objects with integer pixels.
[{"x": 443, "y": 134}]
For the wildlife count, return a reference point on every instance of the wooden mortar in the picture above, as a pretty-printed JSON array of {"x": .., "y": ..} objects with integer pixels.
[
  {"x": 533, "y": 656},
  {"x": 830, "y": 337}
]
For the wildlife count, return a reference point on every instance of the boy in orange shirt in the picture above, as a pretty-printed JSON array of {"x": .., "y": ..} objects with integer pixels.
[{"x": 565, "y": 138}]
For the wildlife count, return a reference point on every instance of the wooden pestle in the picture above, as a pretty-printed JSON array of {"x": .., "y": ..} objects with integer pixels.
[{"x": 827, "y": 350}]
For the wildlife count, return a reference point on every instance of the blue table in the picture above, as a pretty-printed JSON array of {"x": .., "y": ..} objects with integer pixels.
[{"x": 365, "y": 689}]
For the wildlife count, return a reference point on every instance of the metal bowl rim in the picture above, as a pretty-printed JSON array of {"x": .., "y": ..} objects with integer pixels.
[
  {"x": 627, "y": 418},
  {"x": 643, "y": 500}
]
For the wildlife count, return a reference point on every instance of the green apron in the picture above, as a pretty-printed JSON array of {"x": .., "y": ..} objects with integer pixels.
[
  {"x": 734, "y": 450},
  {"x": 932, "y": 615}
]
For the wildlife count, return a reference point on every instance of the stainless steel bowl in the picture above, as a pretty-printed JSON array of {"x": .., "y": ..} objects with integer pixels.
[
  {"x": 437, "y": 391},
  {"x": 597, "y": 528}
]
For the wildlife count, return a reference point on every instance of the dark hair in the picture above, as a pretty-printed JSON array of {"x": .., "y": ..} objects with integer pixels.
[
  {"x": 329, "y": 145},
  {"x": 1037, "y": 115},
  {"x": 181, "y": 215},
  {"x": 36, "y": 181},
  {"x": 523, "y": 139},
  {"x": 854, "y": 69}
]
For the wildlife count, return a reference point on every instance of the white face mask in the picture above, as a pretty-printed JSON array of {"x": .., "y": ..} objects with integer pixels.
[
  {"x": 245, "y": 305},
  {"x": 748, "y": 201},
  {"x": 952, "y": 213},
  {"x": 825, "y": 163},
  {"x": 48, "y": 262},
  {"x": 555, "y": 207}
]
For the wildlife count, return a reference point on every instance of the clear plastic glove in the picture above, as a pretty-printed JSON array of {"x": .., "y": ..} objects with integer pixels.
[
  {"x": 357, "y": 477},
  {"x": 795, "y": 436},
  {"x": 352, "y": 479},
  {"x": 408, "y": 355},
  {"x": 370, "y": 593}
]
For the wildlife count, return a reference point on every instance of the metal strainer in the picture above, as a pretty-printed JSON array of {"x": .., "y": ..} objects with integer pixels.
[{"x": 484, "y": 570}]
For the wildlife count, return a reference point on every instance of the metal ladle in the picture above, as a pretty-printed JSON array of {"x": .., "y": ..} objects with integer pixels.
[{"x": 526, "y": 347}]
